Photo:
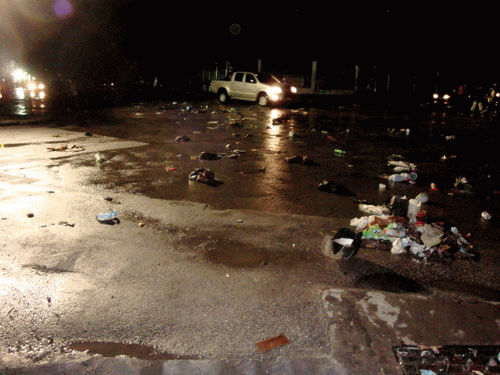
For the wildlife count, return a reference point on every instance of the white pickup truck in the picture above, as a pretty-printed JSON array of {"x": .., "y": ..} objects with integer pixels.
[{"x": 261, "y": 87}]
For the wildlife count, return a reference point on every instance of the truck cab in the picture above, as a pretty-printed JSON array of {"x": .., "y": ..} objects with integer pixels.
[{"x": 261, "y": 87}]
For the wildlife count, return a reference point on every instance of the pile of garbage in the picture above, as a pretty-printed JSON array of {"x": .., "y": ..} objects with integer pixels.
[{"x": 402, "y": 225}]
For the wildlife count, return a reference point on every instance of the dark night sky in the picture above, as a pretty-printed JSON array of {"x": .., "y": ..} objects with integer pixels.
[{"x": 120, "y": 38}]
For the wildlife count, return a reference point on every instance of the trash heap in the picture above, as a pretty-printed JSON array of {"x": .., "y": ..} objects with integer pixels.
[{"x": 402, "y": 226}]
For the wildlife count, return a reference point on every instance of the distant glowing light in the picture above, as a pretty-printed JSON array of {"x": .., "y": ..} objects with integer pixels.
[
  {"x": 19, "y": 92},
  {"x": 63, "y": 8},
  {"x": 19, "y": 75}
]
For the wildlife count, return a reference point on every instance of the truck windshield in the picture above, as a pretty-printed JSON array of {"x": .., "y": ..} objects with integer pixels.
[{"x": 267, "y": 78}]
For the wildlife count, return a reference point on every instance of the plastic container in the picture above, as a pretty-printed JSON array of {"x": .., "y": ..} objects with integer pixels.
[
  {"x": 399, "y": 177},
  {"x": 414, "y": 208}
]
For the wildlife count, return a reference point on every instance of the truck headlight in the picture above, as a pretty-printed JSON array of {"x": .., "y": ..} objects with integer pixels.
[
  {"x": 276, "y": 90},
  {"x": 435, "y": 96},
  {"x": 446, "y": 97},
  {"x": 293, "y": 89}
]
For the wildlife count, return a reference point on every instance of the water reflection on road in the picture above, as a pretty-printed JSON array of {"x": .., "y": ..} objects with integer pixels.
[{"x": 261, "y": 178}]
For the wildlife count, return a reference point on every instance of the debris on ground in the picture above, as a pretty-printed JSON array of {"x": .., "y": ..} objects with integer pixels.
[
  {"x": 344, "y": 244},
  {"x": 99, "y": 157},
  {"x": 402, "y": 224},
  {"x": 264, "y": 346},
  {"x": 212, "y": 156},
  {"x": 74, "y": 148},
  {"x": 108, "y": 218},
  {"x": 461, "y": 185},
  {"x": 485, "y": 215},
  {"x": 182, "y": 138},
  {"x": 304, "y": 160},
  {"x": 332, "y": 187},
  {"x": 63, "y": 223},
  {"x": 202, "y": 175},
  {"x": 448, "y": 359}
]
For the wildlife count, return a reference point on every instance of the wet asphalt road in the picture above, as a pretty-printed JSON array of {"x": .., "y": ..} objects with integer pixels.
[
  {"x": 261, "y": 179},
  {"x": 80, "y": 279}
]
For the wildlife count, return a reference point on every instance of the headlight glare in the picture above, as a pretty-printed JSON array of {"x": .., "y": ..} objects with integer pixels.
[{"x": 276, "y": 90}]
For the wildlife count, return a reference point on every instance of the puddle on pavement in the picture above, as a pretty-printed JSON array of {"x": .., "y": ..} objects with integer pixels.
[
  {"x": 236, "y": 254},
  {"x": 390, "y": 282},
  {"x": 113, "y": 349}
]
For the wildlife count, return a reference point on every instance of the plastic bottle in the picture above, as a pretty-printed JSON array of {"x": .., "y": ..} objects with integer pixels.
[
  {"x": 339, "y": 152},
  {"x": 399, "y": 177}
]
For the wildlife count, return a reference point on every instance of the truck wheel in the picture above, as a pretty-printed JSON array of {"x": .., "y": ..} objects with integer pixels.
[
  {"x": 222, "y": 96},
  {"x": 263, "y": 100}
]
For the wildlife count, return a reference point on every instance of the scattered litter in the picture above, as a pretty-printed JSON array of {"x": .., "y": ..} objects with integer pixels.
[
  {"x": 400, "y": 166},
  {"x": 434, "y": 187},
  {"x": 339, "y": 152},
  {"x": 211, "y": 156},
  {"x": 304, "y": 160},
  {"x": 108, "y": 218},
  {"x": 99, "y": 157},
  {"x": 402, "y": 177},
  {"x": 382, "y": 186},
  {"x": 485, "y": 215},
  {"x": 74, "y": 148},
  {"x": 373, "y": 209},
  {"x": 203, "y": 175},
  {"x": 272, "y": 343},
  {"x": 141, "y": 224},
  {"x": 292, "y": 134},
  {"x": 331, "y": 187},
  {"x": 182, "y": 138},
  {"x": 31, "y": 215},
  {"x": 462, "y": 185},
  {"x": 64, "y": 223},
  {"x": 171, "y": 169}
]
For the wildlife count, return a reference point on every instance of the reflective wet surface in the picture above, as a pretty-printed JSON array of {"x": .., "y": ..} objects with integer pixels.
[
  {"x": 169, "y": 278},
  {"x": 262, "y": 178}
]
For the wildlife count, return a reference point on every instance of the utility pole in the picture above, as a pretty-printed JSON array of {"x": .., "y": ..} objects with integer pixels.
[{"x": 313, "y": 76}]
